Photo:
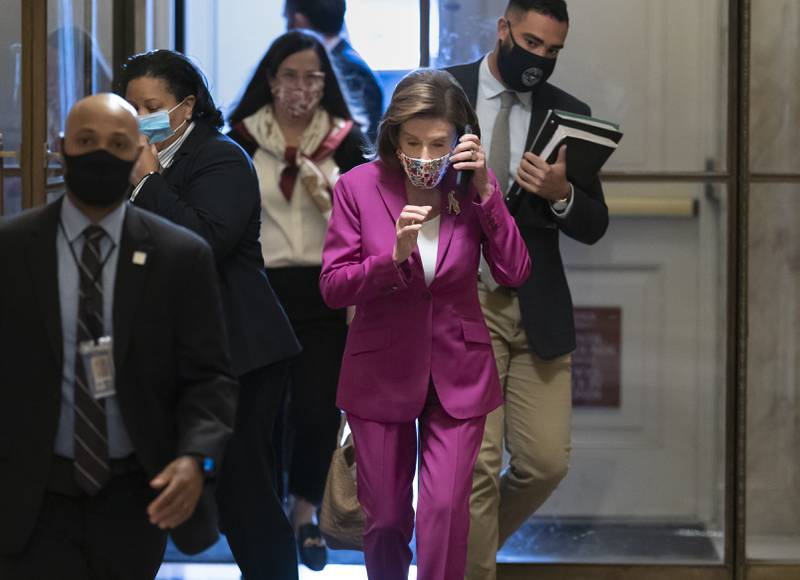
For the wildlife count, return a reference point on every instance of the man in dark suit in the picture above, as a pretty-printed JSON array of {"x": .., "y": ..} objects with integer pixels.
[
  {"x": 360, "y": 86},
  {"x": 116, "y": 398},
  {"x": 532, "y": 326}
]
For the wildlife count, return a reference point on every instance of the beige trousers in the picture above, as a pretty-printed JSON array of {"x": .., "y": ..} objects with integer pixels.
[{"x": 534, "y": 427}]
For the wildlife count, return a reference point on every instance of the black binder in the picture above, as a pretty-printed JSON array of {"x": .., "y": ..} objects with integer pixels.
[{"x": 590, "y": 142}]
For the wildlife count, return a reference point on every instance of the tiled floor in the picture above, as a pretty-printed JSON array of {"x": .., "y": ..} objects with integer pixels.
[
  {"x": 532, "y": 543},
  {"x": 540, "y": 540}
]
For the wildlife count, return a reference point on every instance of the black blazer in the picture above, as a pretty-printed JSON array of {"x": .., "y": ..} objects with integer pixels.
[
  {"x": 545, "y": 300},
  {"x": 174, "y": 386},
  {"x": 360, "y": 86},
  {"x": 212, "y": 189}
]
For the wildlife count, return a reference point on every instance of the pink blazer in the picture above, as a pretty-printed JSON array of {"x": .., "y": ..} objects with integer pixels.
[{"x": 405, "y": 332}]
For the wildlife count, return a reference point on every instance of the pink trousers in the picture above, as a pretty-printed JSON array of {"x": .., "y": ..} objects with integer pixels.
[{"x": 386, "y": 455}]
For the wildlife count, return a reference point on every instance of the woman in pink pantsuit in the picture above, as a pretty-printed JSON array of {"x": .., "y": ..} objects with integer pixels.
[{"x": 403, "y": 247}]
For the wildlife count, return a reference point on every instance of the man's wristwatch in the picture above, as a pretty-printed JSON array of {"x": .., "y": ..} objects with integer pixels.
[
  {"x": 206, "y": 465},
  {"x": 561, "y": 204}
]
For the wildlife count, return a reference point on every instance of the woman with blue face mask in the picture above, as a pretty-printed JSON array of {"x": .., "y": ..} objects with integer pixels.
[
  {"x": 193, "y": 175},
  {"x": 403, "y": 246}
]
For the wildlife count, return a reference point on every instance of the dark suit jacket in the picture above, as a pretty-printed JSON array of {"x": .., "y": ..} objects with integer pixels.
[
  {"x": 545, "y": 299},
  {"x": 212, "y": 189},
  {"x": 360, "y": 86},
  {"x": 174, "y": 386}
]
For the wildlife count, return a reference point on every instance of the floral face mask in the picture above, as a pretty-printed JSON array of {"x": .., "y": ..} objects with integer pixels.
[
  {"x": 424, "y": 173},
  {"x": 299, "y": 101}
]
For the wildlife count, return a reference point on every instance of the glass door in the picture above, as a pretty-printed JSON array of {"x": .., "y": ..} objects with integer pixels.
[
  {"x": 647, "y": 488},
  {"x": 79, "y": 63},
  {"x": 51, "y": 54},
  {"x": 11, "y": 97}
]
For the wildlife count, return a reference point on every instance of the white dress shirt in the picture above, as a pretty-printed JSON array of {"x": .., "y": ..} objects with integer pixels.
[
  {"x": 292, "y": 232},
  {"x": 70, "y": 232},
  {"x": 519, "y": 120},
  {"x": 165, "y": 157},
  {"x": 428, "y": 245}
]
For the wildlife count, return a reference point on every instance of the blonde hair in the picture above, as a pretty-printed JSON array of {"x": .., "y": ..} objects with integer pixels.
[{"x": 423, "y": 93}]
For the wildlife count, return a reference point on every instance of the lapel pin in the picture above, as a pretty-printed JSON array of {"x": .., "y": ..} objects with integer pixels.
[
  {"x": 139, "y": 258},
  {"x": 453, "y": 207}
]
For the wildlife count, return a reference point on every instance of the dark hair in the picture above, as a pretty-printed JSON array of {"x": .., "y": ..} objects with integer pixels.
[
  {"x": 556, "y": 9},
  {"x": 183, "y": 79},
  {"x": 324, "y": 16},
  {"x": 423, "y": 93},
  {"x": 257, "y": 94}
]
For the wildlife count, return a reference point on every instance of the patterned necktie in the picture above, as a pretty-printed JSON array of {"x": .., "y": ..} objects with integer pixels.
[
  {"x": 499, "y": 160},
  {"x": 92, "y": 469}
]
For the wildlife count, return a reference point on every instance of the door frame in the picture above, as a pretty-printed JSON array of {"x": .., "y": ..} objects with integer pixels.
[
  {"x": 33, "y": 145},
  {"x": 737, "y": 176}
]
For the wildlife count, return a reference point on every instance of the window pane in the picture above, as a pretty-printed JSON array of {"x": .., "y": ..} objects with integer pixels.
[
  {"x": 774, "y": 78},
  {"x": 228, "y": 44},
  {"x": 10, "y": 107},
  {"x": 393, "y": 45},
  {"x": 646, "y": 475},
  {"x": 773, "y": 367},
  {"x": 391, "y": 50},
  {"x": 79, "y": 48},
  {"x": 658, "y": 67}
]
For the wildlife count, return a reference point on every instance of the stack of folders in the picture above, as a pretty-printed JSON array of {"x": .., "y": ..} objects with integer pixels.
[{"x": 590, "y": 142}]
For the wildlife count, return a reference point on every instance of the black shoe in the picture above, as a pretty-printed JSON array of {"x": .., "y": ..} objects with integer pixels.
[{"x": 313, "y": 551}]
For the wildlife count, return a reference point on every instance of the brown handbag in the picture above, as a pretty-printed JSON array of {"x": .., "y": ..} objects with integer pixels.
[{"x": 341, "y": 519}]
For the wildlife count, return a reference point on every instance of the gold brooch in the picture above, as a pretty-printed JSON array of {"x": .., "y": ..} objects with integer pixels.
[{"x": 453, "y": 207}]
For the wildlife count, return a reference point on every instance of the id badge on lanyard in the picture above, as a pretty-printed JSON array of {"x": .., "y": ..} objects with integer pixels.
[
  {"x": 97, "y": 356},
  {"x": 98, "y": 362}
]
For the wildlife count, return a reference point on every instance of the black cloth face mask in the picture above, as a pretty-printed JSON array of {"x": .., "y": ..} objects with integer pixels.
[
  {"x": 98, "y": 178},
  {"x": 521, "y": 70}
]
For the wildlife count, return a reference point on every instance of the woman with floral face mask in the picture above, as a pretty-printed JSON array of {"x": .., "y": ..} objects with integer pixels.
[
  {"x": 403, "y": 246},
  {"x": 293, "y": 121}
]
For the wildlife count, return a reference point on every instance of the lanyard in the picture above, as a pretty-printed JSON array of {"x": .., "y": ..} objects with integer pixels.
[{"x": 95, "y": 275}]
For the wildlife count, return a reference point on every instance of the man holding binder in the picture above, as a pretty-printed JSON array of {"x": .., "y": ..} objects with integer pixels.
[{"x": 532, "y": 326}]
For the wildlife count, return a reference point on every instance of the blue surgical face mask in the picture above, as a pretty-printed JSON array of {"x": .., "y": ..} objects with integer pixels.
[{"x": 156, "y": 126}]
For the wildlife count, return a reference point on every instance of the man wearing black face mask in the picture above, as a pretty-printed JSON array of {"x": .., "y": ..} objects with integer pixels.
[
  {"x": 532, "y": 326},
  {"x": 116, "y": 397}
]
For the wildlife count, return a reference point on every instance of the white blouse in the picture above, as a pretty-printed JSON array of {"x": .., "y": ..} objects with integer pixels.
[
  {"x": 292, "y": 232},
  {"x": 428, "y": 245}
]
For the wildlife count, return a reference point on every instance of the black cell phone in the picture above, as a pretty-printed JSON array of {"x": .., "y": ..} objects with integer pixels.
[{"x": 463, "y": 177}]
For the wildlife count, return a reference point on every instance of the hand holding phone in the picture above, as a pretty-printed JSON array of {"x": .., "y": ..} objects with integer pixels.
[
  {"x": 462, "y": 180},
  {"x": 469, "y": 159}
]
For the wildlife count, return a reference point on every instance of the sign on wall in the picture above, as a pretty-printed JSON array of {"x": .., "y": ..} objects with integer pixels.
[{"x": 597, "y": 358}]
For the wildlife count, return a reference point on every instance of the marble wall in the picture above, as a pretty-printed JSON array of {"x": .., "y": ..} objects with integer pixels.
[
  {"x": 773, "y": 428},
  {"x": 775, "y": 78},
  {"x": 773, "y": 378}
]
